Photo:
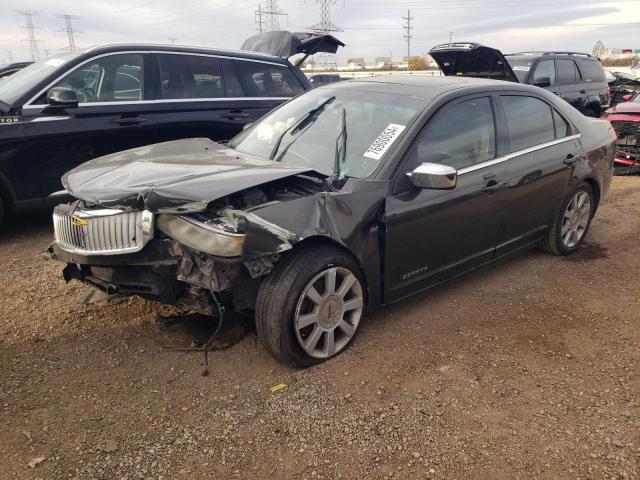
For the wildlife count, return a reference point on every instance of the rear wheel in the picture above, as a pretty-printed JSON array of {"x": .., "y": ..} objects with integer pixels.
[
  {"x": 590, "y": 112},
  {"x": 571, "y": 222},
  {"x": 2, "y": 212},
  {"x": 309, "y": 309}
]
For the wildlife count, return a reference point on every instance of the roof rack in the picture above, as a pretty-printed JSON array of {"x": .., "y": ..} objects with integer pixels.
[{"x": 551, "y": 53}]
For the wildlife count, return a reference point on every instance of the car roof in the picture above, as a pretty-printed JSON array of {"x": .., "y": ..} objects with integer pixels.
[
  {"x": 120, "y": 47},
  {"x": 534, "y": 56},
  {"x": 428, "y": 86}
]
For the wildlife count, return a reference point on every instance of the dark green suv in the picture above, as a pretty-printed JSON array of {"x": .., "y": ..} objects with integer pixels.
[{"x": 577, "y": 78}]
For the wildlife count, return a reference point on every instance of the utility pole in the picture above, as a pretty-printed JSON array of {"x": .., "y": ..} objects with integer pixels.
[
  {"x": 325, "y": 25},
  {"x": 450, "y": 38},
  {"x": 31, "y": 33},
  {"x": 69, "y": 30},
  {"x": 259, "y": 21},
  {"x": 408, "y": 35},
  {"x": 271, "y": 13}
]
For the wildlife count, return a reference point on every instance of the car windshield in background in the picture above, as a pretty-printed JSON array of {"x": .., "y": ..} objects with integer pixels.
[
  {"x": 12, "y": 88},
  {"x": 339, "y": 132},
  {"x": 520, "y": 67}
]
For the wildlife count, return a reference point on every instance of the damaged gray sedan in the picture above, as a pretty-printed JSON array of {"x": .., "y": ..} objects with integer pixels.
[{"x": 346, "y": 198}]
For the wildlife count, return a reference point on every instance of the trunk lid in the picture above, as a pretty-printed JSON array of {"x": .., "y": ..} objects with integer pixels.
[
  {"x": 286, "y": 44},
  {"x": 472, "y": 60}
]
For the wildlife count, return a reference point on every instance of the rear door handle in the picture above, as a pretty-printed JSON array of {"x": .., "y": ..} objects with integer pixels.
[
  {"x": 128, "y": 120},
  {"x": 235, "y": 114},
  {"x": 570, "y": 160}
]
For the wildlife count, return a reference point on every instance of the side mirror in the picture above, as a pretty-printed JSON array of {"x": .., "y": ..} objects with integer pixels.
[
  {"x": 542, "y": 82},
  {"x": 434, "y": 176},
  {"x": 62, "y": 97}
]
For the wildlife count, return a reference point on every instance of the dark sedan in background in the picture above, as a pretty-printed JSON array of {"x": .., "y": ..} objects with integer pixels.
[
  {"x": 351, "y": 196},
  {"x": 73, "y": 107}
]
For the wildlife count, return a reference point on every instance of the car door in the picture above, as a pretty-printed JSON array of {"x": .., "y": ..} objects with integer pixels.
[
  {"x": 544, "y": 76},
  {"x": 542, "y": 151},
  {"x": 432, "y": 235},
  {"x": 572, "y": 89},
  {"x": 113, "y": 114}
]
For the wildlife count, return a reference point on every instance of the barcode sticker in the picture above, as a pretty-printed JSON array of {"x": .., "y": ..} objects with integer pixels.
[{"x": 384, "y": 141}]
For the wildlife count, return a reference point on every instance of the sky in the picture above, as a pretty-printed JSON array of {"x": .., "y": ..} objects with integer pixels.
[{"x": 369, "y": 27}]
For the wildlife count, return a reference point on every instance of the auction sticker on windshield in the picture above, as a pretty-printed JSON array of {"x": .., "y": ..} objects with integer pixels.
[{"x": 384, "y": 141}]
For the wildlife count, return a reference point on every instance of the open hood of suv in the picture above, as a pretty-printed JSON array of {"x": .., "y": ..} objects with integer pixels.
[
  {"x": 177, "y": 176},
  {"x": 286, "y": 44},
  {"x": 472, "y": 60}
]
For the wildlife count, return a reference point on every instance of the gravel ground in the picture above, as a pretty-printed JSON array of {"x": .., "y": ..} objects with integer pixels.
[{"x": 526, "y": 369}]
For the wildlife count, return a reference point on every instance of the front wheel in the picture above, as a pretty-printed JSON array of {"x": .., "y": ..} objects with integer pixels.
[
  {"x": 571, "y": 222},
  {"x": 309, "y": 308}
]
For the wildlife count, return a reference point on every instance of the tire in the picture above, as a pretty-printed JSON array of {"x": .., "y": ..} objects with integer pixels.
[
  {"x": 590, "y": 112},
  {"x": 2, "y": 212},
  {"x": 556, "y": 242},
  {"x": 284, "y": 304}
]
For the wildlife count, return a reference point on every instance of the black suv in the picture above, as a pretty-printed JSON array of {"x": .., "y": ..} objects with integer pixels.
[
  {"x": 577, "y": 78},
  {"x": 63, "y": 111}
]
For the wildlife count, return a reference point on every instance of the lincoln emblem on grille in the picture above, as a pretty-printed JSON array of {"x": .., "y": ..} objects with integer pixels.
[{"x": 78, "y": 222}]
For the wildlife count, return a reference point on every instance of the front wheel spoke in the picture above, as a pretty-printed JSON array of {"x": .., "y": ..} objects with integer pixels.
[
  {"x": 567, "y": 238},
  {"x": 314, "y": 296},
  {"x": 581, "y": 199},
  {"x": 565, "y": 228},
  {"x": 329, "y": 342},
  {"x": 330, "y": 281},
  {"x": 306, "y": 320},
  {"x": 312, "y": 341},
  {"x": 352, "y": 304},
  {"x": 347, "y": 328},
  {"x": 346, "y": 285}
]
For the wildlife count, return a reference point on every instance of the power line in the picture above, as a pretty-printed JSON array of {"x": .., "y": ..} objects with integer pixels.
[
  {"x": 69, "y": 30},
  {"x": 407, "y": 26},
  {"x": 31, "y": 33},
  {"x": 272, "y": 14}
]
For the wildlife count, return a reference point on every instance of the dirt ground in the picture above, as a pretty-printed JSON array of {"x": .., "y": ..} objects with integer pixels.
[{"x": 526, "y": 369}]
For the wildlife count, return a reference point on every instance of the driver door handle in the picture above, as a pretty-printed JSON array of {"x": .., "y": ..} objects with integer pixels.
[
  {"x": 492, "y": 187},
  {"x": 570, "y": 160},
  {"x": 235, "y": 114}
]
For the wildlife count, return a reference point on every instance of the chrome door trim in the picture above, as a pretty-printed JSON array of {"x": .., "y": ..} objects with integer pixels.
[
  {"x": 29, "y": 105},
  {"x": 517, "y": 153},
  {"x": 164, "y": 100}
]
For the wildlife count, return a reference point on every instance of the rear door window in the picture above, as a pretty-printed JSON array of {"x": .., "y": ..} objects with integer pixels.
[
  {"x": 196, "y": 76},
  {"x": 545, "y": 70},
  {"x": 529, "y": 120},
  {"x": 460, "y": 135},
  {"x": 268, "y": 80},
  {"x": 561, "y": 125},
  {"x": 567, "y": 72}
]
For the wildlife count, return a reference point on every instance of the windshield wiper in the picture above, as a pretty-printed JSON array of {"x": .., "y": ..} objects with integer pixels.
[
  {"x": 341, "y": 144},
  {"x": 310, "y": 117}
]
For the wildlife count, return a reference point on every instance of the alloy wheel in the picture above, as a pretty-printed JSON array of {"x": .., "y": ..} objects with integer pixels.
[
  {"x": 328, "y": 312},
  {"x": 576, "y": 219}
]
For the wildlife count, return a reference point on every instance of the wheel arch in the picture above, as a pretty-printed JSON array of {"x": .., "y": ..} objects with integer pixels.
[{"x": 595, "y": 187}]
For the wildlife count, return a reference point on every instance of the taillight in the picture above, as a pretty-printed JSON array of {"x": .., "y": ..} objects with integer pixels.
[{"x": 613, "y": 134}]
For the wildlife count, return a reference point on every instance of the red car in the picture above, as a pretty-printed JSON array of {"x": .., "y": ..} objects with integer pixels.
[{"x": 625, "y": 118}]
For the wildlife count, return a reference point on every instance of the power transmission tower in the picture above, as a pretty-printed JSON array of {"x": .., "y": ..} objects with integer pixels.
[
  {"x": 407, "y": 26},
  {"x": 31, "y": 33},
  {"x": 69, "y": 30},
  {"x": 10, "y": 56},
  {"x": 259, "y": 21},
  {"x": 173, "y": 39},
  {"x": 272, "y": 14},
  {"x": 326, "y": 60}
]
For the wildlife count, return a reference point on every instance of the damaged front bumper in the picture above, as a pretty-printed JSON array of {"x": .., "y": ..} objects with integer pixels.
[{"x": 173, "y": 259}]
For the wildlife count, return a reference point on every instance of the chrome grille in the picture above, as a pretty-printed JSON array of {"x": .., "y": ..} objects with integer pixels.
[
  {"x": 628, "y": 133},
  {"x": 102, "y": 231}
]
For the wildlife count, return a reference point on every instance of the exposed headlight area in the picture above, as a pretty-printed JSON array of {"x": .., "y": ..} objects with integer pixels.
[{"x": 216, "y": 237}]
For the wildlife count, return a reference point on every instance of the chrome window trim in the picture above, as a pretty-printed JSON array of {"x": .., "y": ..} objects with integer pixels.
[
  {"x": 167, "y": 100},
  {"x": 517, "y": 153},
  {"x": 28, "y": 104}
]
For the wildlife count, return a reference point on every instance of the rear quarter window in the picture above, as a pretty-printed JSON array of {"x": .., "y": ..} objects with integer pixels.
[
  {"x": 268, "y": 80},
  {"x": 592, "y": 71}
]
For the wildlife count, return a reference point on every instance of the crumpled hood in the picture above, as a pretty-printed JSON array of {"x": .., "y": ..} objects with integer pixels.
[
  {"x": 171, "y": 177},
  {"x": 626, "y": 107}
]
